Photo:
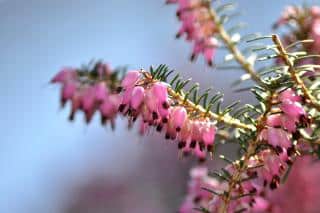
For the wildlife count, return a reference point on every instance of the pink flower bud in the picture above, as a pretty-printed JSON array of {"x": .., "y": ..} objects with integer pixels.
[
  {"x": 185, "y": 133},
  {"x": 151, "y": 102},
  {"x": 208, "y": 134},
  {"x": 87, "y": 99},
  {"x": 107, "y": 109},
  {"x": 88, "y": 103},
  {"x": 289, "y": 123},
  {"x": 278, "y": 137},
  {"x": 137, "y": 97},
  {"x": 274, "y": 120},
  {"x": 289, "y": 94},
  {"x": 130, "y": 79},
  {"x": 127, "y": 96},
  {"x": 200, "y": 152},
  {"x": 68, "y": 90},
  {"x": 160, "y": 92},
  {"x": 293, "y": 109},
  {"x": 100, "y": 91},
  {"x": 178, "y": 116},
  {"x": 110, "y": 106},
  {"x": 64, "y": 75}
]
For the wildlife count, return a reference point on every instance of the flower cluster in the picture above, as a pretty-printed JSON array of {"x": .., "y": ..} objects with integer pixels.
[
  {"x": 198, "y": 27},
  {"x": 245, "y": 188},
  {"x": 89, "y": 91},
  {"x": 300, "y": 187},
  {"x": 197, "y": 196},
  {"x": 282, "y": 124},
  {"x": 305, "y": 22},
  {"x": 137, "y": 96},
  {"x": 154, "y": 102}
]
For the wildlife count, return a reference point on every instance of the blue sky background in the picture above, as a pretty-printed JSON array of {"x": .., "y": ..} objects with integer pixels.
[{"x": 39, "y": 150}]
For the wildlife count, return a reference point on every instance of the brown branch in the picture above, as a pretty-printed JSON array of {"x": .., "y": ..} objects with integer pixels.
[
  {"x": 240, "y": 58},
  {"x": 311, "y": 100},
  {"x": 244, "y": 166}
]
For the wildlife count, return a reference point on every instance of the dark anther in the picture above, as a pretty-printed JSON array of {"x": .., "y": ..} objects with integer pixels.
[
  {"x": 265, "y": 182},
  {"x": 178, "y": 129},
  {"x": 154, "y": 115},
  {"x": 202, "y": 160},
  {"x": 121, "y": 107},
  {"x": 193, "y": 144},
  {"x": 103, "y": 120},
  {"x": 181, "y": 144},
  {"x": 305, "y": 121},
  {"x": 164, "y": 120},
  {"x": 210, "y": 148},
  {"x": 167, "y": 136},
  {"x": 134, "y": 118},
  {"x": 193, "y": 56},
  {"x": 197, "y": 199},
  {"x": 159, "y": 128},
  {"x": 252, "y": 202},
  {"x": 279, "y": 149},
  {"x": 71, "y": 116},
  {"x": 165, "y": 105},
  {"x": 253, "y": 174},
  {"x": 281, "y": 168},
  {"x": 296, "y": 135},
  {"x": 275, "y": 182},
  {"x": 311, "y": 78},
  {"x": 119, "y": 89},
  {"x": 253, "y": 190},
  {"x": 289, "y": 162},
  {"x": 291, "y": 150}
]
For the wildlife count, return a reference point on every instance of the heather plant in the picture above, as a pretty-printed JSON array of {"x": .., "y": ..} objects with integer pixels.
[{"x": 277, "y": 136}]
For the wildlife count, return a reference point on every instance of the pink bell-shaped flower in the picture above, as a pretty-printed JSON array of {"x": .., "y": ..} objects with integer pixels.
[
  {"x": 137, "y": 97},
  {"x": 130, "y": 79},
  {"x": 178, "y": 116}
]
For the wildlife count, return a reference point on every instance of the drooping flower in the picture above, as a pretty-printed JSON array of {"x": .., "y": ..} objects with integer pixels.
[
  {"x": 198, "y": 27},
  {"x": 138, "y": 97}
]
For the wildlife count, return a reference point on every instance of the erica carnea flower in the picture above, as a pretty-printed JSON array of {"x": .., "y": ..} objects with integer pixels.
[
  {"x": 197, "y": 26},
  {"x": 140, "y": 97},
  {"x": 196, "y": 195},
  {"x": 300, "y": 191},
  {"x": 304, "y": 24}
]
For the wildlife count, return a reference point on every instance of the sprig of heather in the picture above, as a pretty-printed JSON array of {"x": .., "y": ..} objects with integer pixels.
[
  {"x": 282, "y": 132},
  {"x": 298, "y": 193},
  {"x": 198, "y": 26},
  {"x": 295, "y": 73},
  {"x": 245, "y": 183},
  {"x": 147, "y": 97},
  {"x": 203, "y": 25},
  {"x": 303, "y": 24}
]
